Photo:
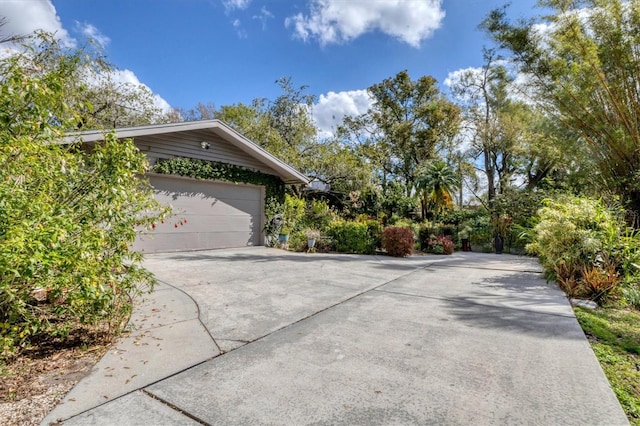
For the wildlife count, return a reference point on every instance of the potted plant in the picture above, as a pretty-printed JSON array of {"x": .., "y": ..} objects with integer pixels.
[
  {"x": 501, "y": 226},
  {"x": 312, "y": 235},
  {"x": 464, "y": 235},
  {"x": 283, "y": 237}
]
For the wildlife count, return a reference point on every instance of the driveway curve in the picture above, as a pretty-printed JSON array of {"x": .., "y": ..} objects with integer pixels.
[{"x": 264, "y": 336}]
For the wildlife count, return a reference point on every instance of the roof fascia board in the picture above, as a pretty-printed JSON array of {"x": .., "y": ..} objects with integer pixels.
[{"x": 223, "y": 130}]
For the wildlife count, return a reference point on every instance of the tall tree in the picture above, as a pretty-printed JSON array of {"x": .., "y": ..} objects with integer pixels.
[
  {"x": 582, "y": 61},
  {"x": 406, "y": 123},
  {"x": 202, "y": 111},
  {"x": 286, "y": 128},
  {"x": 492, "y": 121},
  {"x": 111, "y": 103},
  {"x": 92, "y": 87}
]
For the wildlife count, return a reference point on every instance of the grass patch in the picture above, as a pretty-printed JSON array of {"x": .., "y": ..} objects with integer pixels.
[{"x": 614, "y": 335}]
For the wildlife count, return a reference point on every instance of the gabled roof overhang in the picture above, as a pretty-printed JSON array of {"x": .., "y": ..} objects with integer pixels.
[{"x": 287, "y": 173}]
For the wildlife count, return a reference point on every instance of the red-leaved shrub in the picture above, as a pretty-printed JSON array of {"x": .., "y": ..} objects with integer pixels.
[
  {"x": 397, "y": 241},
  {"x": 439, "y": 245}
]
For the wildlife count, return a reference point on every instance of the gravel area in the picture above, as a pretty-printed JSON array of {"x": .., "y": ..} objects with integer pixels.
[
  {"x": 32, "y": 385},
  {"x": 31, "y": 411}
]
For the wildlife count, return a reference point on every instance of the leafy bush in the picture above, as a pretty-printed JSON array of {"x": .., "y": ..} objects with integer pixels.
[
  {"x": 408, "y": 223},
  {"x": 397, "y": 241},
  {"x": 439, "y": 245},
  {"x": 425, "y": 232},
  {"x": 66, "y": 231},
  {"x": 67, "y": 216},
  {"x": 292, "y": 213},
  {"x": 632, "y": 296},
  {"x": 352, "y": 237},
  {"x": 297, "y": 241},
  {"x": 374, "y": 229},
  {"x": 585, "y": 246},
  {"x": 318, "y": 215},
  {"x": 482, "y": 231},
  {"x": 395, "y": 202}
]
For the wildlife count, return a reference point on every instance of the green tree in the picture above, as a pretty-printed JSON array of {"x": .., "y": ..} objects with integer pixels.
[
  {"x": 405, "y": 125},
  {"x": 67, "y": 215},
  {"x": 437, "y": 183},
  {"x": 285, "y": 127},
  {"x": 202, "y": 111},
  {"x": 92, "y": 88},
  {"x": 493, "y": 120},
  {"x": 112, "y": 104},
  {"x": 583, "y": 67}
]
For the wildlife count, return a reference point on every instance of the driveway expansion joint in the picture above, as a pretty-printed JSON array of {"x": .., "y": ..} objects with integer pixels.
[
  {"x": 175, "y": 408},
  {"x": 199, "y": 316},
  {"x": 362, "y": 293}
]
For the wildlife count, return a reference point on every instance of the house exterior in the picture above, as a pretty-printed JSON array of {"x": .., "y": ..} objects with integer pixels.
[{"x": 208, "y": 214}]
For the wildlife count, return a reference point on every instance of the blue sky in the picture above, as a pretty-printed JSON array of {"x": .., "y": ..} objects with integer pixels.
[{"x": 229, "y": 51}]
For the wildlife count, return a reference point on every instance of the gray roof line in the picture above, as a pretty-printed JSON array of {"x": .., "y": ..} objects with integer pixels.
[{"x": 287, "y": 172}]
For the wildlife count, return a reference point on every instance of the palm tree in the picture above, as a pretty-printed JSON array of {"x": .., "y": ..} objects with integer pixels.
[{"x": 436, "y": 182}]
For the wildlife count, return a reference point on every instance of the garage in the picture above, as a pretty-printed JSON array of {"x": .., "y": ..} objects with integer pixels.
[{"x": 207, "y": 215}]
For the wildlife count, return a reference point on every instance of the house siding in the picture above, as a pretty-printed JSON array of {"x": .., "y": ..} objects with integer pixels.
[{"x": 188, "y": 144}]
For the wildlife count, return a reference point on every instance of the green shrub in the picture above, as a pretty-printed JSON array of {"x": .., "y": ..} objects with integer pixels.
[
  {"x": 65, "y": 235},
  {"x": 585, "y": 247},
  {"x": 293, "y": 213},
  {"x": 297, "y": 241},
  {"x": 67, "y": 216},
  {"x": 318, "y": 215},
  {"x": 439, "y": 245},
  {"x": 425, "y": 232},
  {"x": 397, "y": 241},
  {"x": 374, "y": 229},
  {"x": 632, "y": 296},
  {"x": 482, "y": 231},
  {"x": 408, "y": 223},
  {"x": 352, "y": 237}
]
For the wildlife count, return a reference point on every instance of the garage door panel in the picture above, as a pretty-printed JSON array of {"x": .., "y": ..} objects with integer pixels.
[
  {"x": 196, "y": 203},
  {"x": 195, "y": 241},
  {"x": 219, "y": 208},
  {"x": 207, "y": 215},
  {"x": 204, "y": 224}
]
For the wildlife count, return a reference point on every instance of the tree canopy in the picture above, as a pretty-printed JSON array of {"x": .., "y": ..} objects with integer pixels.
[
  {"x": 405, "y": 125},
  {"x": 583, "y": 66}
]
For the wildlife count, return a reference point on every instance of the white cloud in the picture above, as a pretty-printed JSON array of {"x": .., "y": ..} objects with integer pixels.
[
  {"x": 230, "y": 5},
  {"x": 129, "y": 77},
  {"x": 25, "y": 17},
  {"x": 339, "y": 21},
  {"x": 331, "y": 108},
  {"x": 240, "y": 31},
  {"x": 458, "y": 75},
  {"x": 92, "y": 33},
  {"x": 263, "y": 17}
]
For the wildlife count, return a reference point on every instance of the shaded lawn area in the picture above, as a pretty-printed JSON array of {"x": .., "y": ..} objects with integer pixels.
[{"x": 614, "y": 335}]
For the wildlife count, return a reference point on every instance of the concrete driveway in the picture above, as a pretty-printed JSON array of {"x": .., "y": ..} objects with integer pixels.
[{"x": 264, "y": 336}]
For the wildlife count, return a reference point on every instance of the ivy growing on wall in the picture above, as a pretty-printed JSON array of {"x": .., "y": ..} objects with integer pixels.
[{"x": 213, "y": 170}]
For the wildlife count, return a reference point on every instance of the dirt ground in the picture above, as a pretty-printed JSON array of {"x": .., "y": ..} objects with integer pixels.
[{"x": 33, "y": 383}]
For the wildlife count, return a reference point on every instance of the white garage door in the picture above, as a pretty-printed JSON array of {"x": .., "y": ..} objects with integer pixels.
[{"x": 207, "y": 215}]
